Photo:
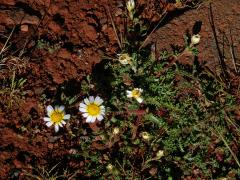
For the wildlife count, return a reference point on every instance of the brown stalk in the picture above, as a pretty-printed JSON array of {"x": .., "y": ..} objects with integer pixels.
[
  {"x": 220, "y": 54},
  {"x": 4, "y": 47},
  {"x": 232, "y": 52},
  {"x": 114, "y": 27},
  {"x": 162, "y": 18}
]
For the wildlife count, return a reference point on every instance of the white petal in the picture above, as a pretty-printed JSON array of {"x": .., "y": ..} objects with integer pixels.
[
  {"x": 47, "y": 119},
  {"x": 82, "y": 105},
  {"x": 49, "y": 110},
  {"x": 98, "y": 100},
  {"x": 86, "y": 101},
  {"x": 67, "y": 116},
  {"x": 93, "y": 119},
  {"x": 102, "y": 111},
  {"x": 89, "y": 119},
  {"x": 85, "y": 115},
  {"x": 56, "y": 127},
  {"x": 141, "y": 90},
  {"x": 82, "y": 110},
  {"x": 60, "y": 124},
  {"x": 48, "y": 124},
  {"x": 100, "y": 117},
  {"x": 140, "y": 100},
  {"x": 129, "y": 94},
  {"x": 63, "y": 122},
  {"x": 61, "y": 108},
  {"x": 91, "y": 99}
]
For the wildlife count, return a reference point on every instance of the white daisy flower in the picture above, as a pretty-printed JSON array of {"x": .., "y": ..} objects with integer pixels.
[
  {"x": 92, "y": 109},
  {"x": 56, "y": 116},
  {"x": 135, "y": 93}
]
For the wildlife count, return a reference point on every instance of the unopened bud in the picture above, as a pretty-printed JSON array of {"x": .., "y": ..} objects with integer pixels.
[
  {"x": 110, "y": 167},
  {"x": 195, "y": 39},
  {"x": 146, "y": 135},
  {"x": 130, "y": 6},
  {"x": 124, "y": 59},
  {"x": 160, "y": 154},
  {"x": 116, "y": 131}
]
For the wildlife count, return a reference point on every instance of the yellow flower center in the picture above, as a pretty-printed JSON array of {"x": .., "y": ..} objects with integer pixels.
[
  {"x": 57, "y": 116},
  {"x": 93, "y": 109},
  {"x": 136, "y": 93}
]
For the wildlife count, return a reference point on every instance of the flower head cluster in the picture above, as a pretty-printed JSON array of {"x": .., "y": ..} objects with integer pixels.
[
  {"x": 92, "y": 109},
  {"x": 135, "y": 93},
  {"x": 56, "y": 117}
]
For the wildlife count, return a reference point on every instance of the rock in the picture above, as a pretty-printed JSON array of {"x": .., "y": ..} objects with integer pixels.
[
  {"x": 17, "y": 17},
  {"x": 24, "y": 28},
  {"x": 8, "y": 2}
]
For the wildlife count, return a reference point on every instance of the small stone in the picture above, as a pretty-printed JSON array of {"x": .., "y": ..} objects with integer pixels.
[
  {"x": 153, "y": 171},
  {"x": 53, "y": 139},
  {"x": 50, "y": 146},
  {"x": 8, "y": 2},
  {"x": 72, "y": 151},
  {"x": 24, "y": 28},
  {"x": 17, "y": 163}
]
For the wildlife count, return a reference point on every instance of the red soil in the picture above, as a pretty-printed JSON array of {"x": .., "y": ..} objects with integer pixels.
[{"x": 80, "y": 33}]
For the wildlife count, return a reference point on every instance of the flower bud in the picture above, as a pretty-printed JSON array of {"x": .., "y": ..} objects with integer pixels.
[
  {"x": 110, "y": 167},
  {"x": 146, "y": 135},
  {"x": 124, "y": 59},
  {"x": 130, "y": 6},
  {"x": 195, "y": 39},
  {"x": 160, "y": 154},
  {"x": 116, "y": 131}
]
